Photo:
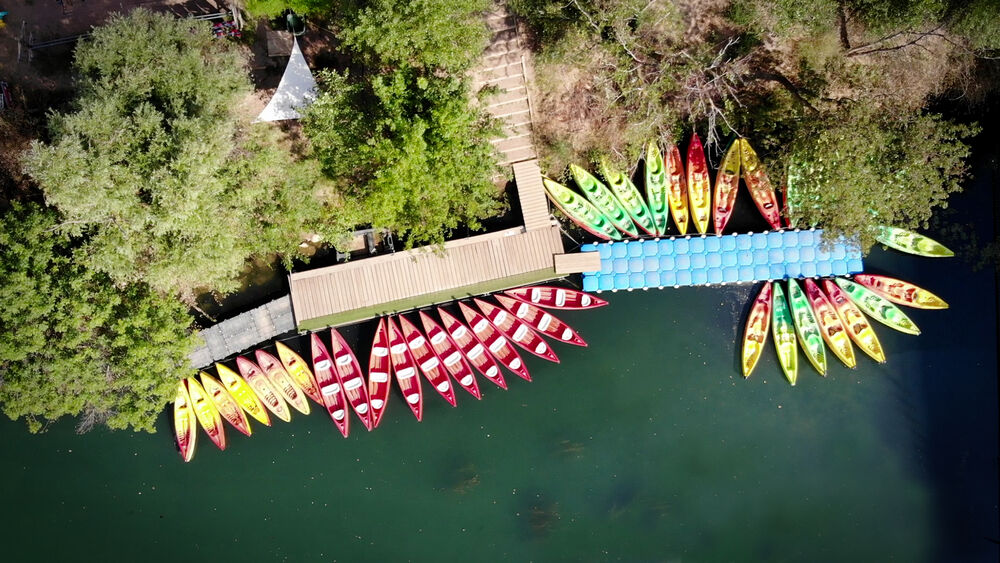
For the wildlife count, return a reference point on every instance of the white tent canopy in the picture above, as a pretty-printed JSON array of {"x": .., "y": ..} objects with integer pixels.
[{"x": 296, "y": 89}]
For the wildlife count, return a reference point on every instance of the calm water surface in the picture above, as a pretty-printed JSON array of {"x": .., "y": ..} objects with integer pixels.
[{"x": 646, "y": 446}]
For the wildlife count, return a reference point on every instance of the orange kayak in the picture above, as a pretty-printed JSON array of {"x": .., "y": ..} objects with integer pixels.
[
  {"x": 759, "y": 185},
  {"x": 901, "y": 292},
  {"x": 185, "y": 425},
  {"x": 858, "y": 327},
  {"x": 229, "y": 409},
  {"x": 208, "y": 415},
  {"x": 727, "y": 183},
  {"x": 299, "y": 371},
  {"x": 755, "y": 333},
  {"x": 677, "y": 190},
  {"x": 831, "y": 327},
  {"x": 282, "y": 382},
  {"x": 699, "y": 184}
]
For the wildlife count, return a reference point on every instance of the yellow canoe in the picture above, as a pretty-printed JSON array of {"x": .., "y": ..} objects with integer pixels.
[
  {"x": 206, "y": 412},
  {"x": 755, "y": 333},
  {"x": 677, "y": 191},
  {"x": 229, "y": 409},
  {"x": 268, "y": 395},
  {"x": 244, "y": 395},
  {"x": 185, "y": 425},
  {"x": 699, "y": 184},
  {"x": 858, "y": 327},
  {"x": 300, "y": 373},
  {"x": 830, "y": 325},
  {"x": 281, "y": 381},
  {"x": 727, "y": 183}
]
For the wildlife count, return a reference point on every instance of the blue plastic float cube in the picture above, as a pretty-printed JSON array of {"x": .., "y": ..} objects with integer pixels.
[
  {"x": 634, "y": 249},
  {"x": 793, "y": 270},
  {"x": 649, "y": 248},
  {"x": 745, "y": 274},
  {"x": 775, "y": 239},
  {"x": 666, "y": 246},
  {"x": 681, "y": 246},
  {"x": 696, "y": 245},
  {"x": 621, "y": 266},
  {"x": 824, "y": 269},
  {"x": 730, "y": 275},
  {"x": 621, "y": 281},
  {"x": 590, "y": 283},
  {"x": 715, "y": 276},
  {"x": 666, "y": 263},
  {"x": 635, "y": 280},
  {"x": 727, "y": 243},
  {"x": 619, "y": 250},
  {"x": 808, "y": 270},
  {"x": 759, "y": 240},
  {"x": 713, "y": 244},
  {"x": 651, "y": 264},
  {"x": 668, "y": 278},
  {"x": 635, "y": 264},
  {"x": 606, "y": 283},
  {"x": 743, "y": 242},
  {"x": 607, "y": 267},
  {"x": 745, "y": 257},
  {"x": 605, "y": 251},
  {"x": 699, "y": 276},
  {"x": 729, "y": 259},
  {"x": 683, "y": 277},
  {"x": 714, "y": 260},
  {"x": 651, "y": 279},
  {"x": 682, "y": 262},
  {"x": 698, "y": 261}
]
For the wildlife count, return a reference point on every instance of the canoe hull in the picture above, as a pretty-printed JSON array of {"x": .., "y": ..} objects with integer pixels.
[
  {"x": 495, "y": 342},
  {"x": 517, "y": 331},
  {"x": 755, "y": 333},
  {"x": 831, "y": 327},
  {"x": 727, "y": 183},
  {"x": 783, "y": 330},
  {"x": 656, "y": 187},
  {"x": 280, "y": 380},
  {"x": 910, "y": 242},
  {"x": 552, "y": 297},
  {"x": 299, "y": 371},
  {"x": 878, "y": 307},
  {"x": 604, "y": 200},
  {"x": 901, "y": 292},
  {"x": 427, "y": 360},
  {"x": 405, "y": 369},
  {"x": 351, "y": 377},
  {"x": 677, "y": 189},
  {"x": 472, "y": 348},
  {"x": 243, "y": 393},
  {"x": 261, "y": 385},
  {"x": 699, "y": 185},
  {"x": 807, "y": 327},
  {"x": 227, "y": 406},
  {"x": 544, "y": 323},
  {"x": 581, "y": 211},
  {"x": 379, "y": 373},
  {"x": 207, "y": 414},
  {"x": 185, "y": 422},
  {"x": 451, "y": 356},
  {"x": 330, "y": 386},
  {"x": 858, "y": 327},
  {"x": 761, "y": 190}
]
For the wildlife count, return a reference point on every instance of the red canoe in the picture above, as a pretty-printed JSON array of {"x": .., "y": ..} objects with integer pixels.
[
  {"x": 379, "y": 366},
  {"x": 518, "y": 332},
  {"x": 541, "y": 321},
  {"x": 472, "y": 348},
  {"x": 427, "y": 360},
  {"x": 556, "y": 297},
  {"x": 406, "y": 370},
  {"x": 495, "y": 342},
  {"x": 329, "y": 386},
  {"x": 450, "y": 355},
  {"x": 351, "y": 377}
]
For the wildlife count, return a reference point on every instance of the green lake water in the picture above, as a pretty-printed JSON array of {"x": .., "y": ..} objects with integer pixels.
[{"x": 646, "y": 446}]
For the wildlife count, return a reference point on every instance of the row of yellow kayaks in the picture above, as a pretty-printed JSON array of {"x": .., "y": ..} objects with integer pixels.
[{"x": 832, "y": 317}]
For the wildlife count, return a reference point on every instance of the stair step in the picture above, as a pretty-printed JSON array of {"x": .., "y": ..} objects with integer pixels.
[
  {"x": 504, "y": 83},
  {"x": 506, "y": 98},
  {"x": 519, "y": 155},
  {"x": 510, "y": 108},
  {"x": 511, "y": 145},
  {"x": 492, "y": 74}
]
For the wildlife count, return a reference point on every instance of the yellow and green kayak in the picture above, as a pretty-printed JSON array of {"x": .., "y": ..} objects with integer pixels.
[
  {"x": 858, "y": 327},
  {"x": 785, "y": 342},
  {"x": 656, "y": 187},
  {"x": 581, "y": 211},
  {"x": 602, "y": 198},
  {"x": 626, "y": 192},
  {"x": 878, "y": 307},
  {"x": 911, "y": 242},
  {"x": 807, "y": 327},
  {"x": 755, "y": 333},
  {"x": 727, "y": 183},
  {"x": 677, "y": 190}
]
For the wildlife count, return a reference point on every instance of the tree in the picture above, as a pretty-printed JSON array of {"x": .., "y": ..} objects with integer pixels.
[
  {"x": 74, "y": 343},
  {"x": 448, "y": 34},
  {"x": 852, "y": 170},
  {"x": 153, "y": 163},
  {"x": 410, "y": 149}
]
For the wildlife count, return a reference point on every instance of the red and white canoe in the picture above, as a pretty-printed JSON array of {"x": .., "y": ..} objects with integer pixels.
[
  {"x": 450, "y": 355},
  {"x": 330, "y": 387},
  {"x": 541, "y": 321},
  {"x": 405, "y": 369},
  {"x": 427, "y": 359},
  {"x": 516, "y": 331},
  {"x": 472, "y": 348},
  {"x": 556, "y": 297},
  {"x": 379, "y": 367},
  {"x": 495, "y": 341},
  {"x": 351, "y": 377}
]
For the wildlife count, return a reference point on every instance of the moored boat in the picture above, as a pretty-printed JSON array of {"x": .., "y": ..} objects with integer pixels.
[
  {"x": 261, "y": 385},
  {"x": 604, "y": 200},
  {"x": 755, "y": 333},
  {"x": 783, "y": 330},
  {"x": 656, "y": 187},
  {"x": 581, "y": 211},
  {"x": 858, "y": 327},
  {"x": 761, "y": 190},
  {"x": 472, "y": 348},
  {"x": 677, "y": 189},
  {"x": 699, "y": 184},
  {"x": 427, "y": 360},
  {"x": 299, "y": 371},
  {"x": 451, "y": 356},
  {"x": 351, "y": 377},
  {"x": 831, "y": 328},
  {"x": 626, "y": 192},
  {"x": 379, "y": 368},
  {"x": 494, "y": 341},
  {"x": 282, "y": 382},
  {"x": 243, "y": 393},
  {"x": 206, "y": 412},
  {"x": 227, "y": 406},
  {"x": 910, "y": 242},
  {"x": 185, "y": 422},
  {"x": 405, "y": 369},
  {"x": 517, "y": 331},
  {"x": 553, "y": 297},
  {"x": 727, "y": 183},
  {"x": 901, "y": 292},
  {"x": 540, "y": 320},
  {"x": 806, "y": 327},
  {"x": 329, "y": 384},
  {"x": 878, "y": 307}
]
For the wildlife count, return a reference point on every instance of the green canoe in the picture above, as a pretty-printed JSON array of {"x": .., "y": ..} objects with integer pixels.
[
  {"x": 581, "y": 211},
  {"x": 604, "y": 200},
  {"x": 656, "y": 187},
  {"x": 911, "y": 242},
  {"x": 785, "y": 342},
  {"x": 807, "y": 327},
  {"x": 878, "y": 307},
  {"x": 628, "y": 195}
]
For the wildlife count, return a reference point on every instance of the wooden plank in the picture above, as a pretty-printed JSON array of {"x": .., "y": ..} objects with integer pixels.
[{"x": 577, "y": 262}]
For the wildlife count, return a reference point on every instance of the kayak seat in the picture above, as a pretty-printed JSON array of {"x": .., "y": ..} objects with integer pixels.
[
  {"x": 413, "y": 398},
  {"x": 378, "y": 376},
  {"x": 380, "y": 351},
  {"x": 438, "y": 338},
  {"x": 459, "y": 333},
  {"x": 467, "y": 380},
  {"x": 377, "y": 403},
  {"x": 362, "y": 408}
]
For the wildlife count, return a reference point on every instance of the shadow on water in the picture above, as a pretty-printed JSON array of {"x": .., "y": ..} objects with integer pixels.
[{"x": 538, "y": 516}]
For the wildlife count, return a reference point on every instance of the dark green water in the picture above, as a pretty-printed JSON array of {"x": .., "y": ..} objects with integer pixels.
[{"x": 646, "y": 446}]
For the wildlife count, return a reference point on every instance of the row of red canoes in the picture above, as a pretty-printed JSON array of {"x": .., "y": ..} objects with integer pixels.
[{"x": 442, "y": 352}]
